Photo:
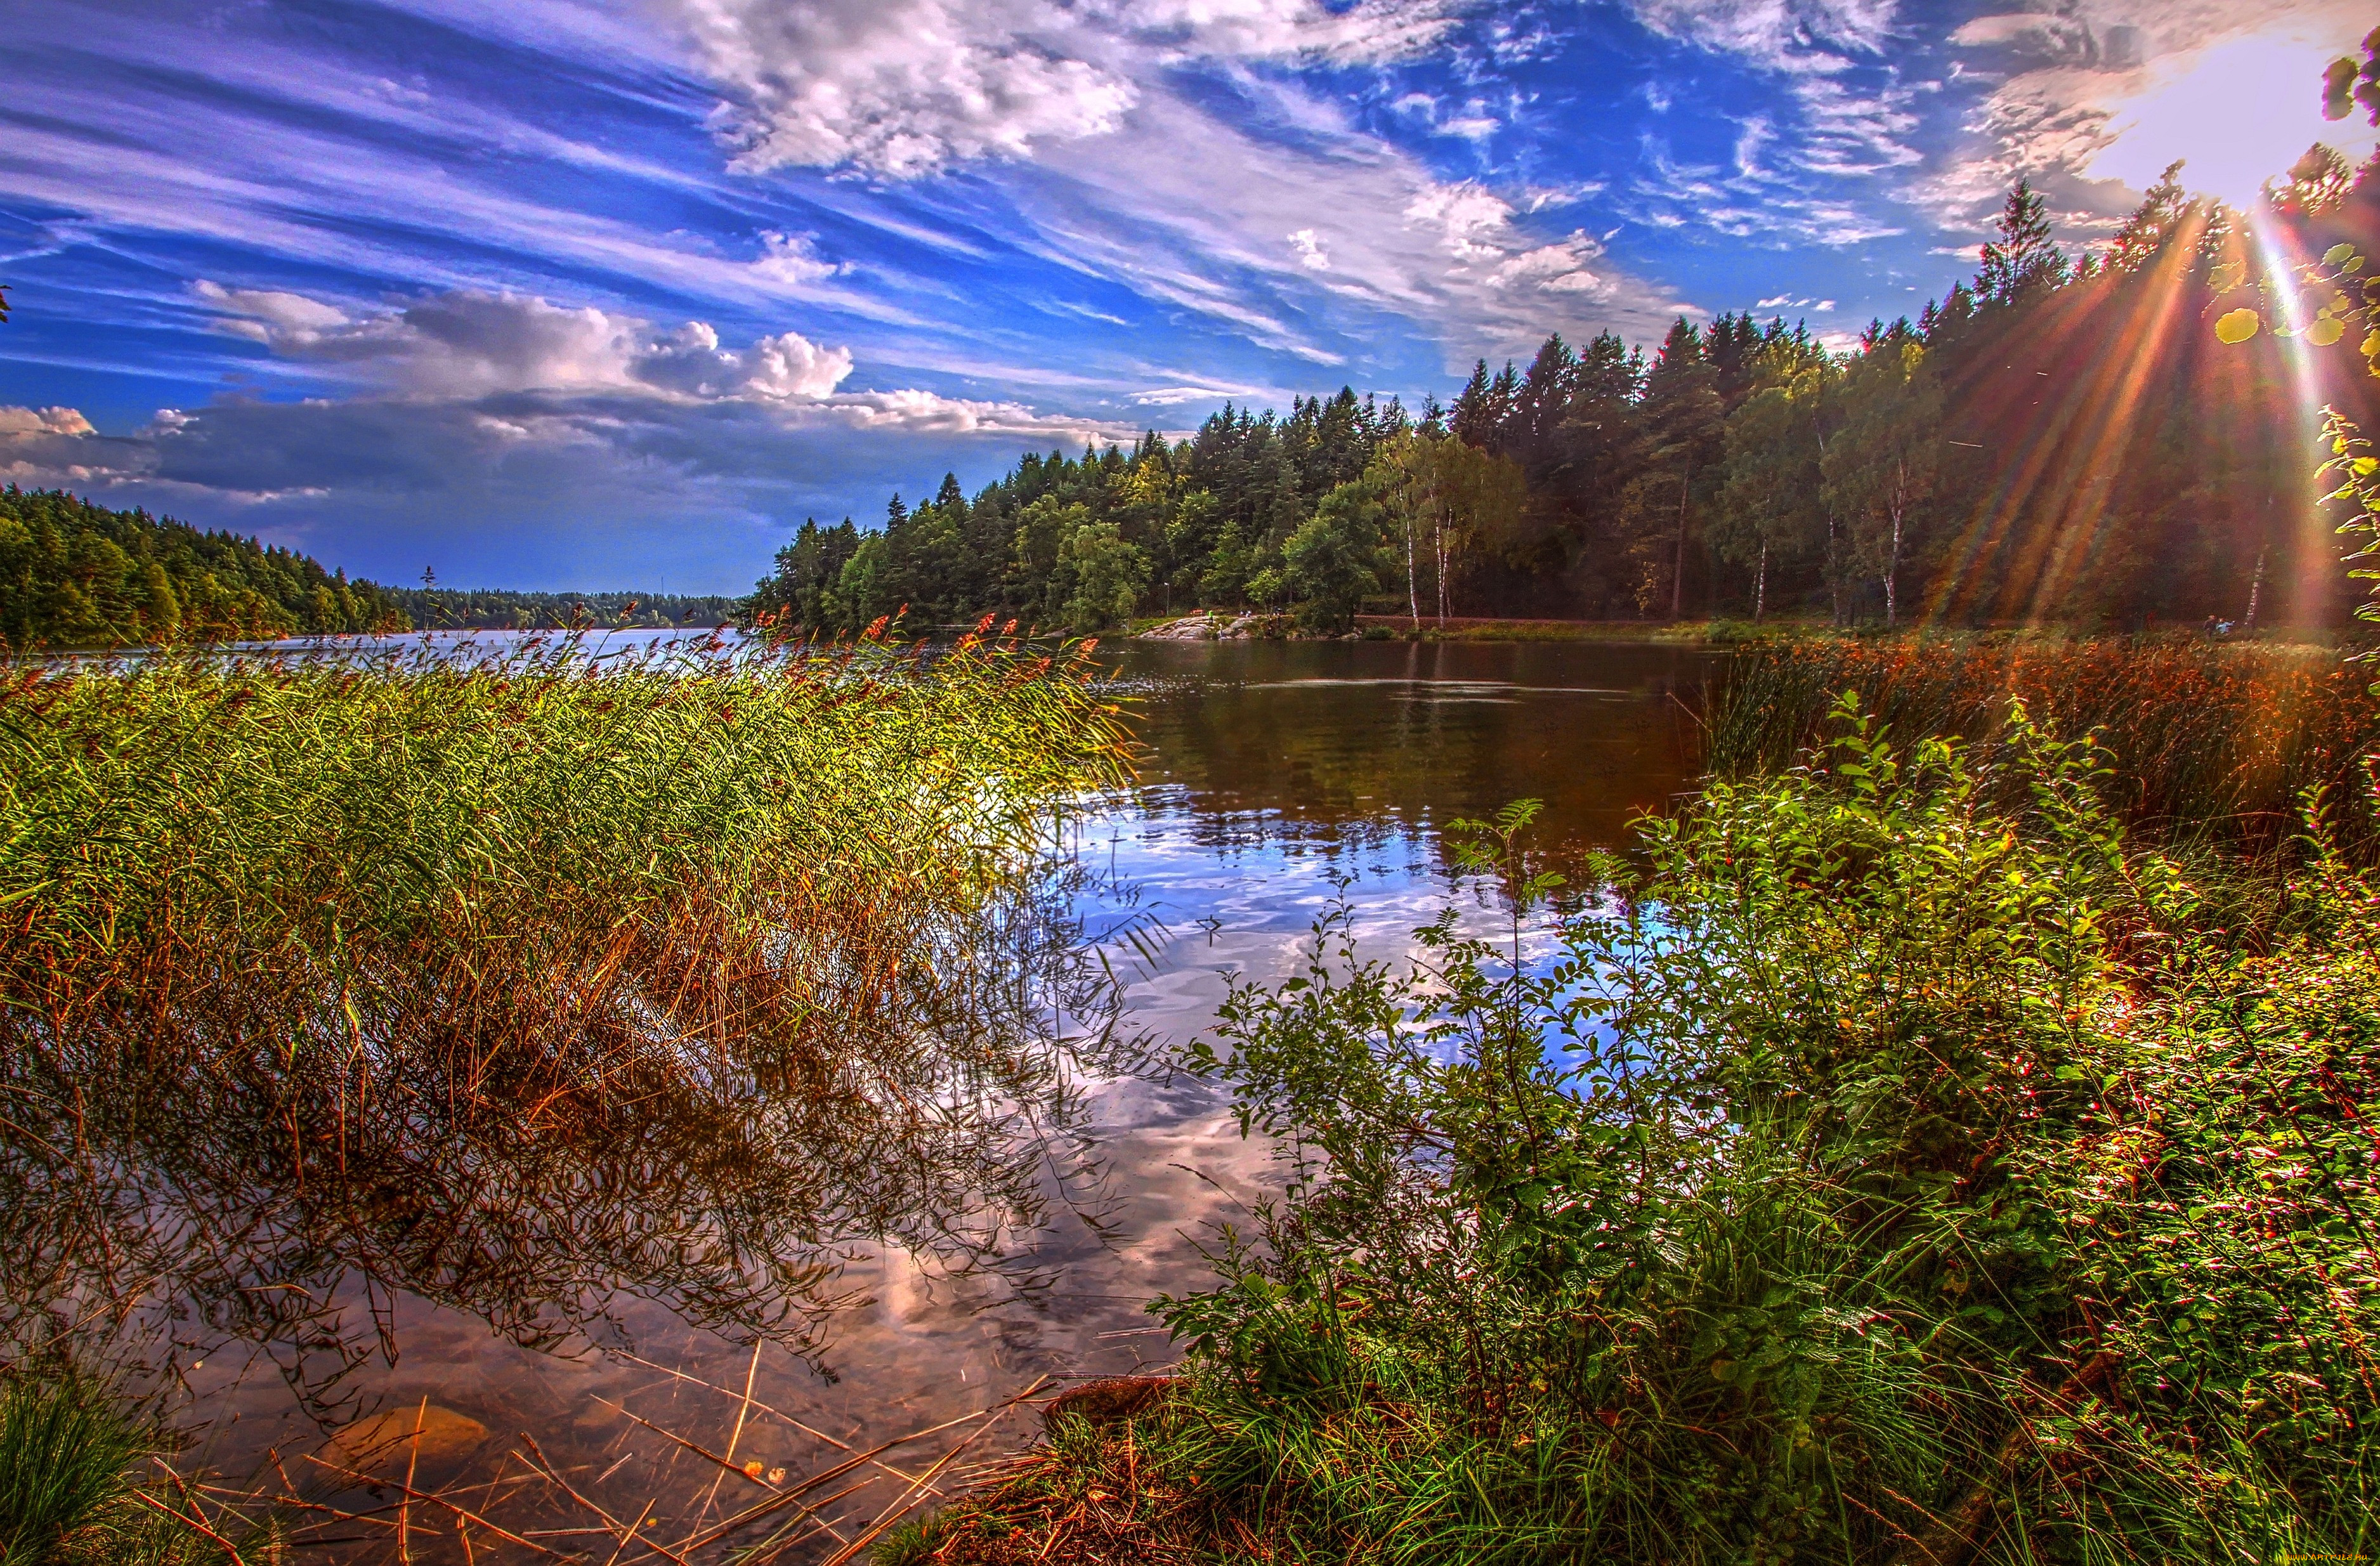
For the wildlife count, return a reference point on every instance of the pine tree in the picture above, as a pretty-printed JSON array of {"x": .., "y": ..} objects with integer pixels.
[{"x": 2023, "y": 258}]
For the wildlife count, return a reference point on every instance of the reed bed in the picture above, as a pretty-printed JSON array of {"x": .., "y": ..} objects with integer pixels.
[
  {"x": 2204, "y": 739},
  {"x": 680, "y": 1471},
  {"x": 518, "y": 977}
]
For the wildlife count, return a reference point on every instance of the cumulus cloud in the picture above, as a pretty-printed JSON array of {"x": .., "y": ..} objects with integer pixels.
[
  {"x": 897, "y": 88},
  {"x": 43, "y": 422},
  {"x": 553, "y": 417},
  {"x": 527, "y": 486},
  {"x": 467, "y": 343}
]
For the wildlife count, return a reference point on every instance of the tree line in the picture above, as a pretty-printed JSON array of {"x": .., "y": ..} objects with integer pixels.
[
  {"x": 471, "y": 608},
  {"x": 77, "y": 574},
  {"x": 2053, "y": 441}
]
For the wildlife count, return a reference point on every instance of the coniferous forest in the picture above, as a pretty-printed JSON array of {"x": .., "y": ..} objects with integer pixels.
[
  {"x": 78, "y": 575},
  {"x": 2055, "y": 441}
]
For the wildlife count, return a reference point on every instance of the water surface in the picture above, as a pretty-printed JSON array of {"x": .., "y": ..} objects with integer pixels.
[{"x": 1277, "y": 779}]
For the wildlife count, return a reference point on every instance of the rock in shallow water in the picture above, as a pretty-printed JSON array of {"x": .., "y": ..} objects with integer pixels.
[
  {"x": 1115, "y": 1397},
  {"x": 384, "y": 1442}
]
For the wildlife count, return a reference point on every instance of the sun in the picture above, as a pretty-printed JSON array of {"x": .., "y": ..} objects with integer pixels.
[{"x": 2237, "y": 114}]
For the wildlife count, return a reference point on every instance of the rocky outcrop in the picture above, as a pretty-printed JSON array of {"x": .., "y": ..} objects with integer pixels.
[
  {"x": 1207, "y": 625},
  {"x": 1190, "y": 627}
]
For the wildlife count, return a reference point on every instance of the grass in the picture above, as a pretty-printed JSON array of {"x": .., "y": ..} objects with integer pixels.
[
  {"x": 69, "y": 1495},
  {"x": 514, "y": 979},
  {"x": 2219, "y": 742}
]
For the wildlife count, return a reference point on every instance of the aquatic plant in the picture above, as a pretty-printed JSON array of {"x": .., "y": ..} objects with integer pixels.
[
  {"x": 2208, "y": 740},
  {"x": 516, "y": 978},
  {"x": 70, "y": 1490}
]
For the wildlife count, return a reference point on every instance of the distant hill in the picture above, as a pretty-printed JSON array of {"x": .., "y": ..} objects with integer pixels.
[
  {"x": 78, "y": 575},
  {"x": 442, "y": 609}
]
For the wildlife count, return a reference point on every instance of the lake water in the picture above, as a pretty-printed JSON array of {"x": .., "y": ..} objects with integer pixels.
[{"x": 1277, "y": 777}]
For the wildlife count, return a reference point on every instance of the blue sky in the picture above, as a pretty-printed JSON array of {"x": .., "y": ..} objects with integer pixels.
[{"x": 557, "y": 294}]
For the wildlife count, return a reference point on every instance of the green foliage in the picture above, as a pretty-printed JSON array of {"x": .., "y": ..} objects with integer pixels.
[
  {"x": 1335, "y": 559},
  {"x": 77, "y": 574},
  {"x": 1899, "y": 1169},
  {"x": 2038, "y": 445},
  {"x": 1883, "y": 466},
  {"x": 69, "y": 1490},
  {"x": 65, "y": 1448},
  {"x": 2358, "y": 472},
  {"x": 1772, "y": 508},
  {"x": 525, "y": 979},
  {"x": 1097, "y": 579},
  {"x": 438, "y": 608}
]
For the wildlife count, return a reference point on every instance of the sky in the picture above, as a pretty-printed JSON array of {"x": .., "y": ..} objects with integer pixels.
[{"x": 573, "y": 294}]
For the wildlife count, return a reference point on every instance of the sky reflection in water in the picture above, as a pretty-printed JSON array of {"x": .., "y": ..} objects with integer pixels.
[{"x": 1278, "y": 779}]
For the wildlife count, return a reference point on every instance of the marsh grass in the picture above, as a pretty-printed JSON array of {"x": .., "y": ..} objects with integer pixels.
[
  {"x": 519, "y": 976},
  {"x": 72, "y": 1489},
  {"x": 2216, "y": 743}
]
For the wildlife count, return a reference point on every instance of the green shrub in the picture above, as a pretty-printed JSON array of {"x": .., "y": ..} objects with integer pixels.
[{"x": 1901, "y": 1168}]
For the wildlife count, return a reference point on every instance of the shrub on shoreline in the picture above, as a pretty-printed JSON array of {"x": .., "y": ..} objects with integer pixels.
[
  {"x": 2215, "y": 741},
  {"x": 1908, "y": 1169}
]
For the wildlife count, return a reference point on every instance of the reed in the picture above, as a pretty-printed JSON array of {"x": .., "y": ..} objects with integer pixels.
[
  {"x": 2207, "y": 740},
  {"x": 516, "y": 976}
]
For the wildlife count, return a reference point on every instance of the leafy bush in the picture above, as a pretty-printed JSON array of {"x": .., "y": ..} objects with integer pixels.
[{"x": 1901, "y": 1168}]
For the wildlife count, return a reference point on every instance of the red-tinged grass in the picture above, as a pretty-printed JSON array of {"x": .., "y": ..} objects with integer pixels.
[
  {"x": 516, "y": 980},
  {"x": 2206, "y": 741}
]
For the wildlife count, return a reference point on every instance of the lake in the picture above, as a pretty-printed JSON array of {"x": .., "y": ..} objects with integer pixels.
[{"x": 1277, "y": 779}]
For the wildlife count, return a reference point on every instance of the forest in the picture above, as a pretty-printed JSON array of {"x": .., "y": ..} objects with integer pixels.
[
  {"x": 471, "y": 608},
  {"x": 2054, "y": 441},
  {"x": 77, "y": 574}
]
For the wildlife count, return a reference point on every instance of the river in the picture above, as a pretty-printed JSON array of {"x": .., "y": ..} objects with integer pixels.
[{"x": 1277, "y": 777}]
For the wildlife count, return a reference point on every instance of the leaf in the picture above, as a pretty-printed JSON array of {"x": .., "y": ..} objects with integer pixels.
[
  {"x": 2322, "y": 334},
  {"x": 2337, "y": 254},
  {"x": 2237, "y": 326}
]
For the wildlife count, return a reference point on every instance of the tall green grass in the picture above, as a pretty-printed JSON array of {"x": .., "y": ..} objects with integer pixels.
[
  {"x": 71, "y": 1493},
  {"x": 521, "y": 978},
  {"x": 2208, "y": 741}
]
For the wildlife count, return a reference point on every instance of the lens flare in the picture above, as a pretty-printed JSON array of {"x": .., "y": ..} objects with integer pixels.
[{"x": 2237, "y": 114}]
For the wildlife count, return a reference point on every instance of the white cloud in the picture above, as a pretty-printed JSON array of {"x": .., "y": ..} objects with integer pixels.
[
  {"x": 470, "y": 343},
  {"x": 1310, "y": 252},
  {"x": 1781, "y": 35},
  {"x": 1171, "y": 397},
  {"x": 43, "y": 422},
  {"x": 2231, "y": 86},
  {"x": 1467, "y": 217},
  {"x": 898, "y": 88},
  {"x": 792, "y": 258}
]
